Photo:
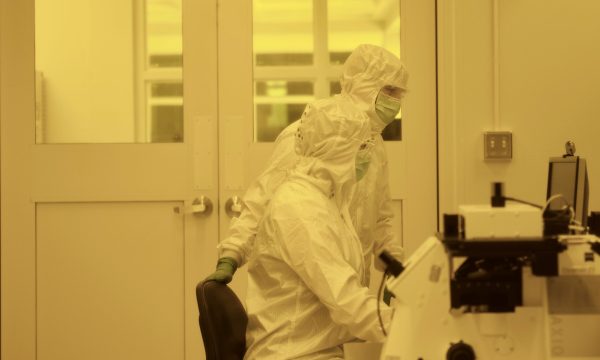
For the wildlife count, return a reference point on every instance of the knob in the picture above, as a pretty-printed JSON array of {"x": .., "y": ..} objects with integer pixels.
[
  {"x": 200, "y": 206},
  {"x": 233, "y": 206},
  {"x": 569, "y": 148},
  {"x": 460, "y": 351}
]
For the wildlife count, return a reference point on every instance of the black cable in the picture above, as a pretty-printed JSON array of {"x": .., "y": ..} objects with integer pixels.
[
  {"x": 379, "y": 295},
  {"x": 523, "y": 202}
]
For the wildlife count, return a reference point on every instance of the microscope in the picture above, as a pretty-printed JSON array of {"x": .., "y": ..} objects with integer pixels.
[{"x": 507, "y": 280}]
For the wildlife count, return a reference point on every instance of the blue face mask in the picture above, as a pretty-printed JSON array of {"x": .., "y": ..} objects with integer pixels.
[{"x": 386, "y": 107}]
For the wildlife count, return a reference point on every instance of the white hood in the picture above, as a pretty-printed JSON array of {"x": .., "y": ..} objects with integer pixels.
[
  {"x": 328, "y": 137},
  {"x": 368, "y": 69}
]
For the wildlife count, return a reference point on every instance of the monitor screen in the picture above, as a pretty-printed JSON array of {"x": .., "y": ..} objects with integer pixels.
[
  {"x": 568, "y": 176},
  {"x": 562, "y": 181}
]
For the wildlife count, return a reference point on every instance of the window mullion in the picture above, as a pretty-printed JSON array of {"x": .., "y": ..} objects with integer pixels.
[
  {"x": 321, "y": 50},
  {"x": 141, "y": 63}
]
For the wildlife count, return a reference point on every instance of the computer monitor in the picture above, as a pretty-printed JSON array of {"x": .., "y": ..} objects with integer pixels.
[{"x": 568, "y": 176}]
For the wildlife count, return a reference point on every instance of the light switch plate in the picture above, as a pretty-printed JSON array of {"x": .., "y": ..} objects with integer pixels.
[{"x": 497, "y": 145}]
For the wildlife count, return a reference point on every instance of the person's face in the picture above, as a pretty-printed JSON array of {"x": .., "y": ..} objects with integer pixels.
[{"x": 393, "y": 91}]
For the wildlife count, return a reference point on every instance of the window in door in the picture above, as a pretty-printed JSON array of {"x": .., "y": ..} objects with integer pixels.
[
  {"x": 299, "y": 49},
  {"x": 108, "y": 72}
]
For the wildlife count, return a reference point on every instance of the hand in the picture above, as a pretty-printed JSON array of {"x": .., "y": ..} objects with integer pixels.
[
  {"x": 387, "y": 296},
  {"x": 226, "y": 267}
]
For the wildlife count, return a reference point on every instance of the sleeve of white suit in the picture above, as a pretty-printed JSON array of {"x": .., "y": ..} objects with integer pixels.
[
  {"x": 242, "y": 230},
  {"x": 384, "y": 237},
  {"x": 311, "y": 248}
]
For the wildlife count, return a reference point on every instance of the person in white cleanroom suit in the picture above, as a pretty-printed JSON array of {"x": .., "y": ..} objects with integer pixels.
[
  {"x": 373, "y": 81},
  {"x": 306, "y": 271}
]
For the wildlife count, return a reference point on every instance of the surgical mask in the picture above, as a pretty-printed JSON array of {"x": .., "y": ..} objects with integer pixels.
[
  {"x": 386, "y": 107},
  {"x": 363, "y": 159}
]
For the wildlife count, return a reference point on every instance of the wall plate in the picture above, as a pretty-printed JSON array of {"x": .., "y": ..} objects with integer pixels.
[{"x": 497, "y": 145}]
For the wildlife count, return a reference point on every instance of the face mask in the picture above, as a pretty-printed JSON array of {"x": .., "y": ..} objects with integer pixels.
[
  {"x": 386, "y": 107},
  {"x": 363, "y": 159}
]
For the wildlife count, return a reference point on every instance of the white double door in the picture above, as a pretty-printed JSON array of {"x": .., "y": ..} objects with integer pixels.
[{"x": 101, "y": 247}]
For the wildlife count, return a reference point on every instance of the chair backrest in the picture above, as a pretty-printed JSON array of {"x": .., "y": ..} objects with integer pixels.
[{"x": 223, "y": 321}]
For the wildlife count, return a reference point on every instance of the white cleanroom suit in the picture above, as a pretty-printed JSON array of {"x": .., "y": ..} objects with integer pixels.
[
  {"x": 366, "y": 71},
  {"x": 306, "y": 294}
]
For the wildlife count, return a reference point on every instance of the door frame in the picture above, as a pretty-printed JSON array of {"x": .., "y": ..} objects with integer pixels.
[{"x": 418, "y": 43}]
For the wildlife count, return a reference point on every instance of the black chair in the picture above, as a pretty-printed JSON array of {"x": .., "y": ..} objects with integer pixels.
[{"x": 223, "y": 321}]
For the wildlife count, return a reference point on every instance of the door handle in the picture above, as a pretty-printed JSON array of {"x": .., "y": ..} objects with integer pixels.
[
  {"x": 201, "y": 206},
  {"x": 233, "y": 206}
]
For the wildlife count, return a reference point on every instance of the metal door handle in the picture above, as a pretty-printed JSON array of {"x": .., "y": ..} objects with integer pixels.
[
  {"x": 233, "y": 206},
  {"x": 201, "y": 206}
]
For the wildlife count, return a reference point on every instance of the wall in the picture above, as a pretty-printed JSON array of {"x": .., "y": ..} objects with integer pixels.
[
  {"x": 526, "y": 66},
  {"x": 85, "y": 49}
]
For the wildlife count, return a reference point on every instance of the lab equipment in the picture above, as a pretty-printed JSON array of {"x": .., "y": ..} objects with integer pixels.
[
  {"x": 505, "y": 281},
  {"x": 494, "y": 306},
  {"x": 568, "y": 177},
  {"x": 496, "y": 286},
  {"x": 514, "y": 221}
]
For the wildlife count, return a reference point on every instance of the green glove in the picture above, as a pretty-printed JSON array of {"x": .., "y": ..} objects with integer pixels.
[
  {"x": 387, "y": 296},
  {"x": 226, "y": 267}
]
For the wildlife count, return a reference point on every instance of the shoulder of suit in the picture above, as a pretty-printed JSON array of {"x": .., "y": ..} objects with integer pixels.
[{"x": 299, "y": 197}]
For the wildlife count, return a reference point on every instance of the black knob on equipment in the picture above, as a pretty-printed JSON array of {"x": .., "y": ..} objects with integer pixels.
[{"x": 460, "y": 351}]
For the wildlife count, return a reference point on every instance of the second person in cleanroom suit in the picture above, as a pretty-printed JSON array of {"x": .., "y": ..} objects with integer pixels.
[
  {"x": 306, "y": 271},
  {"x": 373, "y": 81}
]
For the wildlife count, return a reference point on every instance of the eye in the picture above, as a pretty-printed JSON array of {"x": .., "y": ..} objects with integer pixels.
[{"x": 393, "y": 91}]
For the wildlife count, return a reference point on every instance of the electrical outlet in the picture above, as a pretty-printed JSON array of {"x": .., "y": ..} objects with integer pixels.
[{"x": 497, "y": 145}]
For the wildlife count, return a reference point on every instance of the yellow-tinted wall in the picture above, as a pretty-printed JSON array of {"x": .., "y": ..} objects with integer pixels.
[
  {"x": 546, "y": 91},
  {"x": 85, "y": 51}
]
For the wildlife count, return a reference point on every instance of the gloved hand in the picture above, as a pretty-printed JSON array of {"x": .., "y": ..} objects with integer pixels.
[
  {"x": 387, "y": 296},
  {"x": 226, "y": 267}
]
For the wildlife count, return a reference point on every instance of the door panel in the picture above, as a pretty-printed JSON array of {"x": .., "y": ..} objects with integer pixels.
[
  {"x": 109, "y": 287},
  {"x": 132, "y": 201}
]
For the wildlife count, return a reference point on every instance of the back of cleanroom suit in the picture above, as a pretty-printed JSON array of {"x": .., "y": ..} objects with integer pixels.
[
  {"x": 306, "y": 294},
  {"x": 367, "y": 70}
]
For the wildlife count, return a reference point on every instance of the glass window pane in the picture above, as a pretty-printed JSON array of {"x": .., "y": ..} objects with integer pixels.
[
  {"x": 335, "y": 87},
  {"x": 165, "y": 61},
  {"x": 283, "y": 59},
  {"x": 283, "y": 37},
  {"x": 393, "y": 132},
  {"x": 271, "y": 119},
  {"x": 167, "y": 124},
  {"x": 163, "y": 33},
  {"x": 338, "y": 57},
  {"x": 163, "y": 90},
  {"x": 282, "y": 32},
  {"x": 281, "y": 88},
  {"x": 165, "y": 114},
  {"x": 92, "y": 75},
  {"x": 354, "y": 22},
  {"x": 289, "y": 44},
  {"x": 278, "y": 103}
]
